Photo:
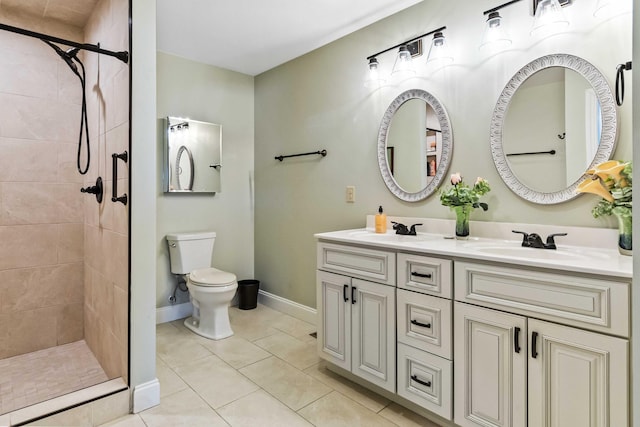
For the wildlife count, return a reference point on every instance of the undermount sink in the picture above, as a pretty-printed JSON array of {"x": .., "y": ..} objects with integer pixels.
[{"x": 515, "y": 250}]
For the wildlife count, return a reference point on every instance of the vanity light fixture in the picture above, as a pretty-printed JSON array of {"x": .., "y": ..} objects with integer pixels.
[
  {"x": 548, "y": 17},
  {"x": 439, "y": 51},
  {"x": 495, "y": 37},
  {"x": 403, "y": 64}
]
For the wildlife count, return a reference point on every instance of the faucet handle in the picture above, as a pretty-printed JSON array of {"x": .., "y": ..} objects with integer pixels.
[
  {"x": 525, "y": 237},
  {"x": 551, "y": 243},
  {"x": 412, "y": 230}
]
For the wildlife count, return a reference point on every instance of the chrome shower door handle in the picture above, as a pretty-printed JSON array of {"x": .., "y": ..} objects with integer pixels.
[{"x": 114, "y": 164}]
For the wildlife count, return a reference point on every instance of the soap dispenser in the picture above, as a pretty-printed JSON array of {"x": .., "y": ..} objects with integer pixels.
[{"x": 381, "y": 221}]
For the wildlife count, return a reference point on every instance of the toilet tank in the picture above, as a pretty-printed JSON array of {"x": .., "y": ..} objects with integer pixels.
[{"x": 189, "y": 251}]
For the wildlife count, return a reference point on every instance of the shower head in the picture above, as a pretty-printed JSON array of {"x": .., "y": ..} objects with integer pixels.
[{"x": 67, "y": 56}]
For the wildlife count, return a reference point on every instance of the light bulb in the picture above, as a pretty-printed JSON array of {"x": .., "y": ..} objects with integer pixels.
[
  {"x": 494, "y": 36},
  {"x": 439, "y": 50},
  {"x": 404, "y": 63}
]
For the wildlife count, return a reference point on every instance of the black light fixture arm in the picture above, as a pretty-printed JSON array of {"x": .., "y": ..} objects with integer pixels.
[
  {"x": 408, "y": 41},
  {"x": 122, "y": 56},
  {"x": 497, "y": 8}
]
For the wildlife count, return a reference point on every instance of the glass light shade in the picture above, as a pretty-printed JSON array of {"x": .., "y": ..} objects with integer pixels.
[
  {"x": 494, "y": 36},
  {"x": 374, "y": 79},
  {"x": 439, "y": 51},
  {"x": 549, "y": 18},
  {"x": 610, "y": 8},
  {"x": 404, "y": 63}
]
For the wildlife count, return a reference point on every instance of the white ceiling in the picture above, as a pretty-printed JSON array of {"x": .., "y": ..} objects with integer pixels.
[{"x": 252, "y": 36}]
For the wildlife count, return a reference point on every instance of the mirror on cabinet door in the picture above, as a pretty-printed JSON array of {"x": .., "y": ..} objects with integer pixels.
[
  {"x": 193, "y": 152},
  {"x": 414, "y": 145},
  {"x": 554, "y": 120}
]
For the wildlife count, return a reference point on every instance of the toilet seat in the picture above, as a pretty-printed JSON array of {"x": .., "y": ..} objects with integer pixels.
[{"x": 211, "y": 277}]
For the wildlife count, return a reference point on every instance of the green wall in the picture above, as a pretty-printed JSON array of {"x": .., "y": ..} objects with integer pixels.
[{"x": 318, "y": 101}]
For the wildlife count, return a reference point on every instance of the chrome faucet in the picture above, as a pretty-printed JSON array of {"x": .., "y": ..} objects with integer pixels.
[
  {"x": 534, "y": 240},
  {"x": 403, "y": 229}
]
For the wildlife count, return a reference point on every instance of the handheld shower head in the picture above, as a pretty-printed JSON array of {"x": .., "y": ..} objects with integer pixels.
[{"x": 67, "y": 56}]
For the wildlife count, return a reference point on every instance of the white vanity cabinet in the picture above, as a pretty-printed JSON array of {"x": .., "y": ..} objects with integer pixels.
[
  {"x": 356, "y": 329},
  {"x": 516, "y": 370}
]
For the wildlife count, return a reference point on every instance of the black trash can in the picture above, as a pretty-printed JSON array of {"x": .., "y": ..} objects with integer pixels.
[{"x": 248, "y": 294}]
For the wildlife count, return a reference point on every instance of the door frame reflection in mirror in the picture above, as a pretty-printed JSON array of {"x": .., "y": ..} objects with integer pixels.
[
  {"x": 608, "y": 136},
  {"x": 445, "y": 153}
]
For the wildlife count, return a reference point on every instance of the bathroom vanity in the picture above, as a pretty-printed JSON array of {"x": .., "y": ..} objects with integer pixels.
[{"x": 481, "y": 332}]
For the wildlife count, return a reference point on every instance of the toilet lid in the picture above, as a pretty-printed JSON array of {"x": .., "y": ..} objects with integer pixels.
[{"x": 211, "y": 277}]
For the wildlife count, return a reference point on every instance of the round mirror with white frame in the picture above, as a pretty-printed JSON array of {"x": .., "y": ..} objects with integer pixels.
[
  {"x": 555, "y": 119},
  {"x": 415, "y": 144}
]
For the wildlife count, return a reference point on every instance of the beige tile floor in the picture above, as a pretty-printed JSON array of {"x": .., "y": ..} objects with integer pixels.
[
  {"x": 41, "y": 375},
  {"x": 267, "y": 374}
]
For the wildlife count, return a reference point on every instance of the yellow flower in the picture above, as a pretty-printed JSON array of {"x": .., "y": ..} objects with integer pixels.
[
  {"x": 594, "y": 186},
  {"x": 611, "y": 168}
]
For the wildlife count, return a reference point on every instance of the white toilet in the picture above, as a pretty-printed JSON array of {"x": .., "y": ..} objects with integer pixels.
[{"x": 211, "y": 290}]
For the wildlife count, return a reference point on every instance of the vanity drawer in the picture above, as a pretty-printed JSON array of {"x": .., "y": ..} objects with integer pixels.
[
  {"x": 424, "y": 322},
  {"x": 425, "y": 380},
  {"x": 596, "y": 304},
  {"x": 370, "y": 264},
  {"x": 425, "y": 274}
]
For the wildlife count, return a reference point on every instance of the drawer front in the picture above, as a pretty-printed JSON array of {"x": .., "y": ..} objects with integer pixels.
[
  {"x": 425, "y": 380},
  {"x": 370, "y": 264},
  {"x": 596, "y": 304},
  {"x": 425, "y": 274},
  {"x": 424, "y": 322}
]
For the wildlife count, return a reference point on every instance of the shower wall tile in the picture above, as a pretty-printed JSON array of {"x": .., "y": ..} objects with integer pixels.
[
  {"x": 67, "y": 170},
  {"x": 28, "y": 289},
  {"x": 70, "y": 242},
  {"x": 58, "y": 121},
  {"x": 70, "y": 323},
  {"x": 27, "y": 246},
  {"x": 40, "y": 203},
  {"x": 29, "y": 74},
  {"x": 68, "y": 86},
  {"x": 28, "y": 160},
  {"x": 30, "y": 331}
]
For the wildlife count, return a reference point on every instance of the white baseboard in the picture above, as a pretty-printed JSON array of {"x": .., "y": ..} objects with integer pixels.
[
  {"x": 173, "y": 312},
  {"x": 146, "y": 395},
  {"x": 286, "y": 306}
]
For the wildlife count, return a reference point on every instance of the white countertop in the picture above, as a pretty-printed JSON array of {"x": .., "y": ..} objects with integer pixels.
[{"x": 580, "y": 259}]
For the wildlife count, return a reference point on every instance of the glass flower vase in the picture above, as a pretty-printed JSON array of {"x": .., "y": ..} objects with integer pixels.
[
  {"x": 462, "y": 221},
  {"x": 624, "y": 236}
]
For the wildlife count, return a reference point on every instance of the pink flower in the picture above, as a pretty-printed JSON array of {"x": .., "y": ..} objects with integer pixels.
[
  {"x": 456, "y": 178},
  {"x": 479, "y": 180}
]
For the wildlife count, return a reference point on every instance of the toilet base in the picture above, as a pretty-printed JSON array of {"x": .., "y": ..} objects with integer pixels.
[{"x": 219, "y": 332}]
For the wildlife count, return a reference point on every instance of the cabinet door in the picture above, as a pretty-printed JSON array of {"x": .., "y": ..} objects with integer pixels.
[
  {"x": 374, "y": 333},
  {"x": 490, "y": 354},
  {"x": 334, "y": 318},
  {"x": 576, "y": 378}
]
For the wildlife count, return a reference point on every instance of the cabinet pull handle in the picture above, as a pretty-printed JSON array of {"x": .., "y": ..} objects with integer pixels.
[
  {"x": 427, "y": 276},
  {"x": 424, "y": 325},
  {"x": 516, "y": 339},
  {"x": 344, "y": 292},
  {"x": 419, "y": 381},
  {"x": 353, "y": 294},
  {"x": 534, "y": 339}
]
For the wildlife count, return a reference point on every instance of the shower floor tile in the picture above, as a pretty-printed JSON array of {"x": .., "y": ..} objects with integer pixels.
[{"x": 41, "y": 375}]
